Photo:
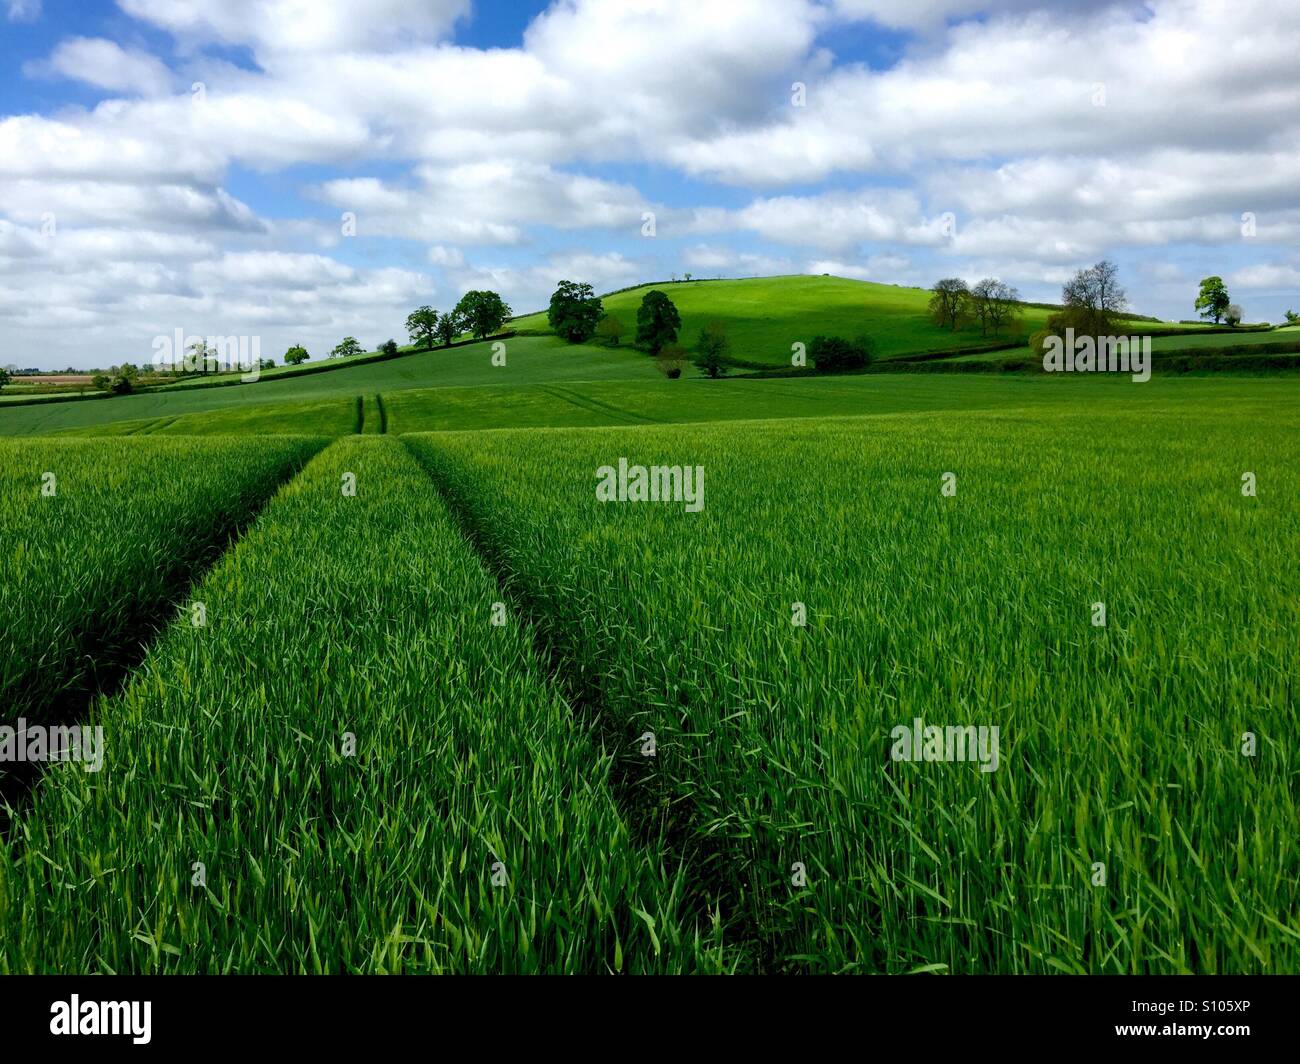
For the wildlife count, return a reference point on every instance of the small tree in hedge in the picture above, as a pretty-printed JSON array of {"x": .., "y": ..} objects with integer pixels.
[
  {"x": 671, "y": 360},
  {"x": 610, "y": 330},
  {"x": 449, "y": 327},
  {"x": 420, "y": 326},
  {"x": 711, "y": 349},
  {"x": 347, "y": 347},
  {"x": 389, "y": 348},
  {"x": 296, "y": 355},
  {"x": 482, "y": 313}
]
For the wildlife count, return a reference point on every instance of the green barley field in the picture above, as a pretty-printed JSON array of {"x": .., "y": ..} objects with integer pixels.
[{"x": 905, "y": 673}]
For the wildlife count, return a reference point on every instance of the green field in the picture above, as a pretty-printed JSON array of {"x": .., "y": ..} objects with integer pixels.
[
  {"x": 473, "y": 828},
  {"x": 765, "y": 315},
  {"x": 1121, "y": 742},
  {"x": 446, "y": 710},
  {"x": 529, "y": 360},
  {"x": 98, "y": 539}
]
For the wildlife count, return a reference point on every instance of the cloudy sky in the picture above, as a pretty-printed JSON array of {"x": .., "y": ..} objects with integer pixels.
[{"x": 194, "y": 164}]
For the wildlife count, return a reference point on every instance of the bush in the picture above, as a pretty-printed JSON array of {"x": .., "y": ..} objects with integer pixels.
[
  {"x": 832, "y": 354},
  {"x": 610, "y": 330},
  {"x": 389, "y": 348},
  {"x": 671, "y": 360},
  {"x": 713, "y": 346}
]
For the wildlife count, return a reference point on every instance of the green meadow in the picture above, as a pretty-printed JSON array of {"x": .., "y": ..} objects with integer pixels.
[{"x": 388, "y": 682}]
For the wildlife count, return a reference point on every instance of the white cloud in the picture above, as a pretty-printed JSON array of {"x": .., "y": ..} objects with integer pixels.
[
  {"x": 1271, "y": 277},
  {"x": 301, "y": 25},
  {"x": 989, "y": 115},
  {"x": 106, "y": 65},
  {"x": 484, "y": 202}
]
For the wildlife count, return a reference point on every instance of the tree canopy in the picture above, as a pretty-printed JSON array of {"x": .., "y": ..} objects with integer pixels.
[
  {"x": 574, "y": 312},
  {"x": 483, "y": 313},
  {"x": 657, "y": 322}
]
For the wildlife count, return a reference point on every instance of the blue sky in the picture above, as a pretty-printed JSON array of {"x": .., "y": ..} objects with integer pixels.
[{"x": 509, "y": 145}]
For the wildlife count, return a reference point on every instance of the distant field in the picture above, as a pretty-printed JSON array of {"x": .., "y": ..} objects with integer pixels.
[
  {"x": 529, "y": 360},
  {"x": 595, "y": 403},
  {"x": 1190, "y": 341},
  {"x": 763, "y": 317}
]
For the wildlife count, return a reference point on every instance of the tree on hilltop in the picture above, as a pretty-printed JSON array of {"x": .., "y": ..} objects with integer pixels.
[
  {"x": 482, "y": 313},
  {"x": 574, "y": 312},
  {"x": 1213, "y": 300}
]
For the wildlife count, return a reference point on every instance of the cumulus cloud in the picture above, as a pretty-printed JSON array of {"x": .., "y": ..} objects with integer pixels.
[
  {"x": 1015, "y": 137},
  {"x": 106, "y": 65},
  {"x": 301, "y": 25},
  {"x": 484, "y": 202}
]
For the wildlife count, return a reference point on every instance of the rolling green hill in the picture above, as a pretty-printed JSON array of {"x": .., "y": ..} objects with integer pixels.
[{"x": 765, "y": 315}]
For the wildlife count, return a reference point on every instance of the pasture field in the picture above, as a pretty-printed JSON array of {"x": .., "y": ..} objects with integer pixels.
[
  {"x": 96, "y": 540},
  {"x": 765, "y": 315},
  {"x": 1124, "y": 829},
  {"x": 595, "y": 403},
  {"x": 529, "y": 360},
  {"x": 472, "y": 828}
]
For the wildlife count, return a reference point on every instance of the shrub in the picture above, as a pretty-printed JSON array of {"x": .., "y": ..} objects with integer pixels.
[
  {"x": 712, "y": 349},
  {"x": 671, "y": 360},
  {"x": 610, "y": 330},
  {"x": 832, "y": 354}
]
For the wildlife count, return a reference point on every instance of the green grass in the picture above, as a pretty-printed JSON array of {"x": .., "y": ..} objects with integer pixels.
[
  {"x": 529, "y": 360},
  {"x": 1119, "y": 744},
  {"x": 586, "y": 404},
  {"x": 765, "y": 315},
  {"x": 86, "y": 571},
  {"x": 369, "y": 616},
  {"x": 1190, "y": 341}
]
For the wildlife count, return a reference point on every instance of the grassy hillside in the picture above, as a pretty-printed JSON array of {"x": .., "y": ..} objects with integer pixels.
[{"x": 765, "y": 315}]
